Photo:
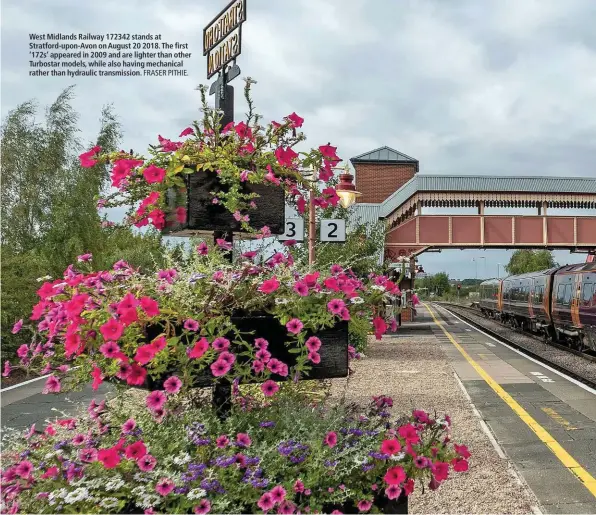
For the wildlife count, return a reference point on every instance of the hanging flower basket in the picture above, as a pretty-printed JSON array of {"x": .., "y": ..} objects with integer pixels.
[{"x": 203, "y": 214}]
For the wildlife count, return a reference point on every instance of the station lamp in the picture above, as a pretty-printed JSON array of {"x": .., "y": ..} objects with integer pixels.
[{"x": 346, "y": 190}]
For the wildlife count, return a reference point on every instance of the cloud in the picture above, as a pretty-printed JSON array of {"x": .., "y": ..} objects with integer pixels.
[{"x": 493, "y": 87}]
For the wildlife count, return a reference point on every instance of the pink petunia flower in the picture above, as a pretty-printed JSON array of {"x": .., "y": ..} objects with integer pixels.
[
  {"x": 335, "y": 306},
  {"x": 17, "y": 327},
  {"x": 298, "y": 486},
  {"x": 191, "y": 325},
  {"x": 269, "y": 388},
  {"x": 220, "y": 368},
  {"x": 395, "y": 476},
  {"x": 258, "y": 366},
  {"x": 200, "y": 347},
  {"x": 278, "y": 493},
  {"x": 315, "y": 357},
  {"x": 24, "y": 468},
  {"x": 391, "y": 446},
  {"x": 261, "y": 343},
  {"x": 330, "y": 439},
  {"x": 222, "y": 441},
  {"x": 286, "y": 507},
  {"x": 172, "y": 384},
  {"x": 295, "y": 325},
  {"x": 111, "y": 330},
  {"x": 313, "y": 344},
  {"x": 155, "y": 400},
  {"x": 221, "y": 344},
  {"x": 243, "y": 440},
  {"x": 266, "y": 502},
  {"x": 164, "y": 486},
  {"x": 203, "y": 507},
  {"x": 269, "y": 286},
  {"x": 129, "y": 425},
  {"x": 159, "y": 343},
  {"x": 301, "y": 288},
  {"x": 393, "y": 491},
  {"x": 88, "y": 455},
  {"x": 110, "y": 349},
  {"x": 109, "y": 457},
  {"x": 440, "y": 471},
  {"x": 202, "y": 249},
  {"x": 7, "y": 369},
  {"x": 150, "y": 306},
  {"x": 79, "y": 439},
  {"x": 84, "y": 258},
  {"x": 52, "y": 385},
  {"x": 364, "y": 506},
  {"x": 147, "y": 463},
  {"x": 135, "y": 451}
]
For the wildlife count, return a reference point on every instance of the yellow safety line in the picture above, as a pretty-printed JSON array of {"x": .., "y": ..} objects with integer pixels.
[{"x": 564, "y": 457}]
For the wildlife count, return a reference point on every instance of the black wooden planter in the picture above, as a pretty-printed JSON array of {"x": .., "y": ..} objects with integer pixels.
[
  {"x": 384, "y": 504},
  {"x": 398, "y": 506},
  {"x": 204, "y": 215},
  {"x": 333, "y": 351}
]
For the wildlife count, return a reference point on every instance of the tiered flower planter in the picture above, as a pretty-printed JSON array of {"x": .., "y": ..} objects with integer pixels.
[{"x": 204, "y": 215}]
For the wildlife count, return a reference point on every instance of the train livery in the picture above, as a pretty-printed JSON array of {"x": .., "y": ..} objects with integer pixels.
[{"x": 559, "y": 303}]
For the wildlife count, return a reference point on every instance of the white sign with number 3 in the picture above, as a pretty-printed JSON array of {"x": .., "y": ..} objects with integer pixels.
[
  {"x": 294, "y": 230},
  {"x": 333, "y": 230}
]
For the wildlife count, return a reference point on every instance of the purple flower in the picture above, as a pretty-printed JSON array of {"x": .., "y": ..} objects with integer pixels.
[{"x": 267, "y": 424}]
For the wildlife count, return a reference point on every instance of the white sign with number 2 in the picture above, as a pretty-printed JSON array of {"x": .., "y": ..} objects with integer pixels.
[{"x": 333, "y": 230}]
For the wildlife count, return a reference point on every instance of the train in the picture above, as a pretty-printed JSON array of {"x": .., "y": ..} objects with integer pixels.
[{"x": 558, "y": 303}]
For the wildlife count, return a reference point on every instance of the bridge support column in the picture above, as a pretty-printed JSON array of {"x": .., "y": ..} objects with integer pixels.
[{"x": 544, "y": 223}]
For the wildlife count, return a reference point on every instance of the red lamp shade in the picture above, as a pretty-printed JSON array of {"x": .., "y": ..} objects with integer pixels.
[{"x": 346, "y": 190}]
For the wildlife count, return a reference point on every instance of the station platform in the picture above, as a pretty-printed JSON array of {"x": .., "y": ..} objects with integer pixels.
[{"x": 543, "y": 421}]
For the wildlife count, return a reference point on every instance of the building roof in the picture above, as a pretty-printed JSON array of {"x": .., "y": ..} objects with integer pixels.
[
  {"x": 383, "y": 155},
  {"x": 479, "y": 183},
  {"x": 363, "y": 214}
]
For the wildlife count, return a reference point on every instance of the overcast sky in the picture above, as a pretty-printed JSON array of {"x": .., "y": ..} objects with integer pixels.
[{"x": 502, "y": 87}]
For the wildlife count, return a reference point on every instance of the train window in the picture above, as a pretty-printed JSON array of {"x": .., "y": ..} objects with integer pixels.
[
  {"x": 567, "y": 295},
  {"x": 587, "y": 291},
  {"x": 560, "y": 293},
  {"x": 539, "y": 295}
]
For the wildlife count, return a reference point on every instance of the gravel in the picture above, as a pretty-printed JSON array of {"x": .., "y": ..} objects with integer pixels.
[
  {"x": 416, "y": 373},
  {"x": 577, "y": 364}
]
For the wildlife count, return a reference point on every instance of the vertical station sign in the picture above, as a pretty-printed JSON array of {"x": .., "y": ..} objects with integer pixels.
[{"x": 222, "y": 38}]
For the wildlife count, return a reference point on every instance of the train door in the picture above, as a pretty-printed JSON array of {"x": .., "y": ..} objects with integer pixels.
[{"x": 562, "y": 295}]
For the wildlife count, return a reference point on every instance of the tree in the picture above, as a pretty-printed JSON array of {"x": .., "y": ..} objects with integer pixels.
[
  {"x": 437, "y": 283},
  {"x": 523, "y": 261},
  {"x": 49, "y": 206}
]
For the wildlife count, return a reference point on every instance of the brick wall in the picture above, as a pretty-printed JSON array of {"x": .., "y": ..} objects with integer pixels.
[{"x": 377, "y": 181}]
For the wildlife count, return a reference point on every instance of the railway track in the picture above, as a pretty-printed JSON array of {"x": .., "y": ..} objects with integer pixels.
[{"x": 575, "y": 364}]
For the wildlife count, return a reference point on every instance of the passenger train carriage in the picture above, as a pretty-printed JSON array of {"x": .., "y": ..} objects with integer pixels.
[{"x": 559, "y": 303}]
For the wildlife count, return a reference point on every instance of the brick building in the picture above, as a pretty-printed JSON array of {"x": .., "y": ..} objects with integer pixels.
[
  {"x": 381, "y": 172},
  {"x": 378, "y": 174}
]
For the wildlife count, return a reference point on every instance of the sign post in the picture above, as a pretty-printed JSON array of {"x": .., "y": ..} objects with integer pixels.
[{"x": 222, "y": 44}]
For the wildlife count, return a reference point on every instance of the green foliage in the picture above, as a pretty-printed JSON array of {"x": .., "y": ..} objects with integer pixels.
[
  {"x": 48, "y": 206},
  {"x": 437, "y": 284},
  {"x": 524, "y": 261}
]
